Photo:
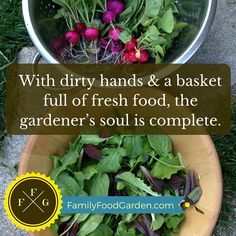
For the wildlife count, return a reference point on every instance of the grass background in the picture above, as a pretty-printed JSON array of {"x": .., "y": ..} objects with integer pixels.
[
  {"x": 226, "y": 147},
  {"x": 13, "y": 36}
]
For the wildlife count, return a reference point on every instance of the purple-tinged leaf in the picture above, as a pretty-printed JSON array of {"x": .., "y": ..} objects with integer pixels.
[
  {"x": 193, "y": 179},
  {"x": 93, "y": 152},
  {"x": 74, "y": 230},
  {"x": 64, "y": 226},
  {"x": 192, "y": 182},
  {"x": 176, "y": 182},
  {"x": 119, "y": 193},
  {"x": 143, "y": 224},
  {"x": 157, "y": 185},
  {"x": 140, "y": 226},
  {"x": 147, "y": 222},
  {"x": 105, "y": 134},
  {"x": 187, "y": 188}
]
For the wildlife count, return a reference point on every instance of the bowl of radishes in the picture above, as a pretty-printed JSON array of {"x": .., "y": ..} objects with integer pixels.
[{"x": 118, "y": 31}]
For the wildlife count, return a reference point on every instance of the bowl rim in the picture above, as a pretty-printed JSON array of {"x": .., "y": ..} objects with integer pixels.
[
  {"x": 24, "y": 158},
  {"x": 183, "y": 58}
]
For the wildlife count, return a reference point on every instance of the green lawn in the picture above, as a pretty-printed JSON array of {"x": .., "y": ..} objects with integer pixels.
[
  {"x": 13, "y": 37},
  {"x": 226, "y": 147}
]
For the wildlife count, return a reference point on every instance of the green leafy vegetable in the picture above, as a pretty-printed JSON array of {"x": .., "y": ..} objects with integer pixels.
[
  {"x": 153, "y": 7},
  {"x": 68, "y": 159},
  {"x": 112, "y": 158},
  {"x": 161, "y": 144},
  {"x": 157, "y": 222},
  {"x": 68, "y": 185},
  {"x": 132, "y": 180},
  {"x": 100, "y": 185},
  {"x": 133, "y": 146},
  {"x": 173, "y": 221},
  {"x": 165, "y": 167},
  {"x": 102, "y": 230},
  {"x": 130, "y": 166},
  {"x": 125, "y": 36},
  {"x": 167, "y": 21},
  {"x": 91, "y": 139},
  {"x": 90, "y": 225},
  {"x": 123, "y": 230},
  {"x": 79, "y": 177},
  {"x": 89, "y": 171}
]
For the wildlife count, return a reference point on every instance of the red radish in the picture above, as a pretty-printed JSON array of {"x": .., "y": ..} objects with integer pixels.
[
  {"x": 129, "y": 57},
  {"x": 58, "y": 46},
  {"x": 80, "y": 28},
  {"x": 108, "y": 17},
  {"x": 142, "y": 56},
  {"x": 116, "y": 47},
  {"x": 131, "y": 45},
  {"x": 72, "y": 37},
  {"x": 125, "y": 57},
  {"x": 116, "y": 7},
  {"x": 114, "y": 33},
  {"x": 58, "y": 43},
  {"x": 132, "y": 56},
  {"x": 104, "y": 42},
  {"x": 91, "y": 34}
]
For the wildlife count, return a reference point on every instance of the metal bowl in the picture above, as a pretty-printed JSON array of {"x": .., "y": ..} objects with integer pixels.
[{"x": 42, "y": 28}]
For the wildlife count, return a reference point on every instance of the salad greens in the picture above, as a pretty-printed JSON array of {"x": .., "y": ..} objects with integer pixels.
[
  {"x": 120, "y": 165},
  {"x": 116, "y": 31}
]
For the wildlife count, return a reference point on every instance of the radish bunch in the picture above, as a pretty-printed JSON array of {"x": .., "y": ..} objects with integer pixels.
[
  {"x": 116, "y": 31},
  {"x": 90, "y": 33}
]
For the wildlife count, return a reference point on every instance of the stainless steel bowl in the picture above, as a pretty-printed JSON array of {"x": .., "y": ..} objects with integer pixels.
[{"x": 38, "y": 16}]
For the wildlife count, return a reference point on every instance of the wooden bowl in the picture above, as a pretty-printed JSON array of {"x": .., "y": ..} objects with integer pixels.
[{"x": 198, "y": 153}]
